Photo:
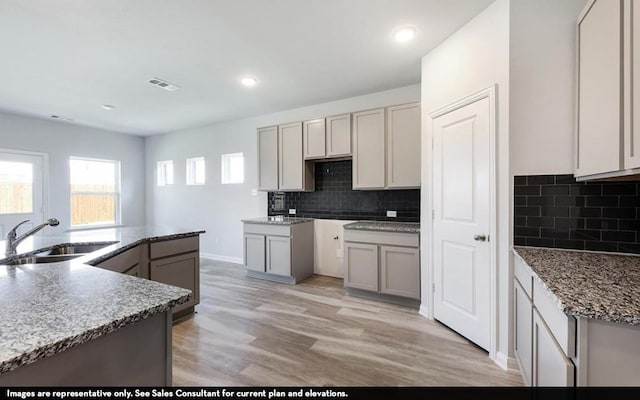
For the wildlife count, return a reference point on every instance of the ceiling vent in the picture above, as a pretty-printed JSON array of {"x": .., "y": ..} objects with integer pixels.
[{"x": 163, "y": 84}]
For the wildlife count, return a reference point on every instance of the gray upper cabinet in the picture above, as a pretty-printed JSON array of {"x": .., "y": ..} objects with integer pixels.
[
  {"x": 599, "y": 92},
  {"x": 339, "y": 136},
  {"x": 632, "y": 86},
  {"x": 403, "y": 146},
  {"x": 268, "y": 158},
  {"x": 293, "y": 173},
  {"x": 369, "y": 149},
  {"x": 314, "y": 139}
]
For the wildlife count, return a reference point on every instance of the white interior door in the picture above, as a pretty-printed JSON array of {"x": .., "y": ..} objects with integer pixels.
[
  {"x": 462, "y": 220},
  {"x": 21, "y": 190}
]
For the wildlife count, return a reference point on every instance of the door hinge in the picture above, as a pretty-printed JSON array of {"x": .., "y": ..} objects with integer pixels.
[
  {"x": 433, "y": 287},
  {"x": 433, "y": 214}
]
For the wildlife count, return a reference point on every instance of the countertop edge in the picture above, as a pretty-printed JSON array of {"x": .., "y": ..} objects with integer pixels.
[
  {"x": 70, "y": 342},
  {"x": 633, "y": 320}
]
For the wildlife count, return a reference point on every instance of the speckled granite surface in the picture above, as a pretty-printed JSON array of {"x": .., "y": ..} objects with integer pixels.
[
  {"x": 588, "y": 284},
  {"x": 277, "y": 220},
  {"x": 403, "y": 227},
  {"x": 48, "y": 308}
]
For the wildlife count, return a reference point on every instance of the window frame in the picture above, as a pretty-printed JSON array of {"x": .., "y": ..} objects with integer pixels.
[
  {"x": 164, "y": 181},
  {"x": 225, "y": 167},
  {"x": 191, "y": 171},
  {"x": 117, "y": 194}
]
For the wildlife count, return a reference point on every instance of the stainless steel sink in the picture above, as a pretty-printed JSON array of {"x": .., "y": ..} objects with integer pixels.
[
  {"x": 77, "y": 248},
  {"x": 43, "y": 259}
]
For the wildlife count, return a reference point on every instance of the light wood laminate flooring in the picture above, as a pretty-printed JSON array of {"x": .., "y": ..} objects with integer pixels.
[{"x": 259, "y": 333}]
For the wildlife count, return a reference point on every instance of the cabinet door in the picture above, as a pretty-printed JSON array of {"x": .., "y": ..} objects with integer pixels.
[
  {"x": 122, "y": 262},
  {"x": 268, "y": 158},
  {"x": 133, "y": 271},
  {"x": 599, "y": 87},
  {"x": 182, "y": 271},
  {"x": 632, "y": 84},
  {"x": 550, "y": 366},
  {"x": 361, "y": 266},
  {"x": 279, "y": 255},
  {"x": 313, "y": 139},
  {"x": 523, "y": 329},
  {"x": 254, "y": 252},
  {"x": 403, "y": 146},
  {"x": 369, "y": 150},
  {"x": 291, "y": 161},
  {"x": 339, "y": 136},
  {"x": 400, "y": 271}
]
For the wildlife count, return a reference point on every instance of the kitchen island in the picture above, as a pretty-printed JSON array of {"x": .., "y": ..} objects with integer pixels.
[{"x": 70, "y": 323}]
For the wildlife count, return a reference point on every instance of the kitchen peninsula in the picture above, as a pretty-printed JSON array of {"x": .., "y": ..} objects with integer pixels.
[{"x": 65, "y": 320}]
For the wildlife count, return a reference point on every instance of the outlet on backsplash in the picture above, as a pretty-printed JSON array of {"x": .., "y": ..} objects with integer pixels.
[{"x": 392, "y": 214}]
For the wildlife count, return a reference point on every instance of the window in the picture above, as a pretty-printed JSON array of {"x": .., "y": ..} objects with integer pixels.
[
  {"x": 95, "y": 192},
  {"x": 165, "y": 173},
  {"x": 232, "y": 168},
  {"x": 16, "y": 187},
  {"x": 195, "y": 171}
]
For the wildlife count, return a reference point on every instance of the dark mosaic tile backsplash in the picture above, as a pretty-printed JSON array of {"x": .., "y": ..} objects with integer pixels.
[
  {"x": 335, "y": 199},
  {"x": 556, "y": 211}
]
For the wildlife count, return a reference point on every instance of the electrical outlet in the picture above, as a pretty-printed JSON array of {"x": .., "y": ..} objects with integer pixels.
[
  {"x": 292, "y": 211},
  {"x": 391, "y": 214}
]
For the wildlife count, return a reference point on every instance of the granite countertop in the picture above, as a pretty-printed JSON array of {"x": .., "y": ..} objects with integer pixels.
[
  {"x": 601, "y": 286},
  {"x": 48, "y": 308},
  {"x": 277, "y": 220},
  {"x": 403, "y": 227}
]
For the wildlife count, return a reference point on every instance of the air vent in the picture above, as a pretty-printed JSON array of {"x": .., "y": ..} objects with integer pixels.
[{"x": 163, "y": 84}]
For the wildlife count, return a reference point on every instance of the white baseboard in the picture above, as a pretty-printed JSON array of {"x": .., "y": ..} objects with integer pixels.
[
  {"x": 424, "y": 311},
  {"x": 218, "y": 257},
  {"x": 505, "y": 362}
]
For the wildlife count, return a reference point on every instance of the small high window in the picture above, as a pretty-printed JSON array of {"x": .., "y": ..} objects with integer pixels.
[
  {"x": 195, "y": 171},
  {"x": 164, "y": 172},
  {"x": 232, "y": 168}
]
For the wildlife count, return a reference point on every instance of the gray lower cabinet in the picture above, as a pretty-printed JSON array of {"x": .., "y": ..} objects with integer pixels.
[
  {"x": 281, "y": 253},
  {"x": 550, "y": 366},
  {"x": 361, "y": 262},
  {"x": 278, "y": 255},
  {"x": 383, "y": 262},
  {"x": 174, "y": 262},
  {"x": 523, "y": 345},
  {"x": 254, "y": 252},
  {"x": 127, "y": 262},
  {"x": 400, "y": 271},
  {"x": 183, "y": 271}
]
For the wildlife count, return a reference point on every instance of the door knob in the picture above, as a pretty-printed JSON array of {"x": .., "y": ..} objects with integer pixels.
[{"x": 480, "y": 238}]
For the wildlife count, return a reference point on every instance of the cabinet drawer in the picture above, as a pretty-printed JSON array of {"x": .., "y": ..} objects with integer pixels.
[
  {"x": 174, "y": 246},
  {"x": 562, "y": 326},
  {"x": 383, "y": 238},
  {"x": 523, "y": 275},
  {"x": 264, "y": 229}
]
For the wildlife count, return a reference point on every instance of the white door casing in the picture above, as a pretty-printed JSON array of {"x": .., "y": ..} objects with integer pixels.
[
  {"x": 463, "y": 198},
  {"x": 39, "y": 166}
]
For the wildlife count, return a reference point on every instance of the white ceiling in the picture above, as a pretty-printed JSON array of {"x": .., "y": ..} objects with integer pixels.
[{"x": 68, "y": 57}]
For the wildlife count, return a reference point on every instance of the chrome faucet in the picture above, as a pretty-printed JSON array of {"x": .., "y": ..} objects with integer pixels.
[{"x": 13, "y": 240}]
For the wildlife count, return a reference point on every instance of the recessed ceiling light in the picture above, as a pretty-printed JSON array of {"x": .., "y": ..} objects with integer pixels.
[
  {"x": 404, "y": 34},
  {"x": 249, "y": 81},
  {"x": 108, "y": 106}
]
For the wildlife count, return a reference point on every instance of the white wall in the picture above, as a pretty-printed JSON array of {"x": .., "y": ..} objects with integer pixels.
[
  {"x": 542, "y": 85},
  {"x": 62, "y": 140},
  {"x": 219, "y": 208},
  {"x": 472, "y": 59}
]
